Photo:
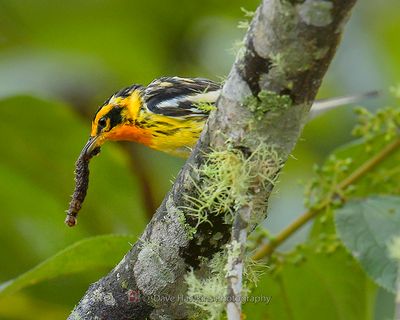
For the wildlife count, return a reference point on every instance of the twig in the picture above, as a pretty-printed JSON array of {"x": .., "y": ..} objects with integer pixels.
[
  {"x": 367, "y": 166},
  {"x": 235, "y": 265}
]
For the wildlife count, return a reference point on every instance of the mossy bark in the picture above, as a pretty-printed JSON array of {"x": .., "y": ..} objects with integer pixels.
[{"x": 288, "y": 48}]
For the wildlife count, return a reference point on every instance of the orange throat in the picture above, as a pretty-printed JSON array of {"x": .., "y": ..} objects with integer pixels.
[{"x": 131, "y": 133}]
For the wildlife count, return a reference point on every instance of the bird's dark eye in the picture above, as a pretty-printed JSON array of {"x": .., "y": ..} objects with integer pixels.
[{"x": 102, "y": 122}]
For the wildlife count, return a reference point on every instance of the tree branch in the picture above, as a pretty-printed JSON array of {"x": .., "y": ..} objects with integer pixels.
[
  {"x": 268, "y": 248},
  {"x": 235, "y": 265},
  {"x": 287, "y": 51}
]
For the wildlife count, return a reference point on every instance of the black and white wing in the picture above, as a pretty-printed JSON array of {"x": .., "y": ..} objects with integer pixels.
[{"x": 181, "y": 97}]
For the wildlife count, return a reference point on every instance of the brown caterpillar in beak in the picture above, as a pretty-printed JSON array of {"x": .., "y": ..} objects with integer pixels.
[{"x": 81, "y": 184}]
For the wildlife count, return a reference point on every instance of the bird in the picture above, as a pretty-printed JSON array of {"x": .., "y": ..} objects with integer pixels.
[{"x": 168, "y": 114}]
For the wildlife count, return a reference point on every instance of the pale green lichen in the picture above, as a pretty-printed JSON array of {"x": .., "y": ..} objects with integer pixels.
[
  {"x": 207, "y": 290},
  {"x": 267, "y": 101},
  {"x": 206, "y": 106},
  {"x": 245, "y": 24},
  {"x": 229, "y": 179},
  {"x": 253, "y": 271},
  {"x": 292, "y": 59},
  {"x": 109, "y": 299},
  {"x": 277, "y": 77},
  {"x": 288, "y": 57},
  {"x": 158, "y": 262},
  {"x": 248, "y": 13},
  {"x": 286, "y": 62},
  {"x": 97, "y": 294},
  {"x": 190, "y": 231},
  {"x": 207, "y": 294},
  {"x": 180, "y": 216},
  {"x": 234, "y": 250},
  {"x": 317, "y": 13},
  {"x": 124, "y": 284},
  {"x": 151, "y": 270},
  {"x": 238, "y": 49}
]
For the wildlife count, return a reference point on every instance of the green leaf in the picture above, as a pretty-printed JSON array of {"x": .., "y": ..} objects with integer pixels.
[
  {"x": 84, "y": 255},
  {"x": 366, "y": 227},
  {"x": 22, "y": 306},
  {"x": 313, "y": 282},
  {"x": 44, "y": 140},
  {"x": 382, "y": 179}
]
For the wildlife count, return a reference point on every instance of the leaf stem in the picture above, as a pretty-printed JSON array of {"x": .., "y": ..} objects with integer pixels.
[{"x": 268, "y": 248}]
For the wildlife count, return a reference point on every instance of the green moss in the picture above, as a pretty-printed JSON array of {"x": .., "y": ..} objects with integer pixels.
[
  {"x": 238, "y": 49},
  {"x": 207, "y": 294},
  {"x": 267, "y": 101},
  {"x": 207, "y": 290},
  {"x": 234, "y": 249},
  {"x": 248, "y": 13},
  {"x": 288, "y": 57},
  {"x": 253, "y": 270},
  {"x": 124, "y": 284},
  {"x": 207, "y": 107},
  {"x": 173, "y": 213},
  {"x": 245, "y": 24},
  {"x": 229, "y": 179},
  {"x": 190, "y": 231},
  {"x": 295, "y": 57}
]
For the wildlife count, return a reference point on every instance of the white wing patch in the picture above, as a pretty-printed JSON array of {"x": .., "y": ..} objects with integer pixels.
[{"x": 198, "y": 98}]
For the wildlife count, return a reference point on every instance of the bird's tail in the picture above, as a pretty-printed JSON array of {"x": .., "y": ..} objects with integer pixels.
[{"x": 321, "y": 106}]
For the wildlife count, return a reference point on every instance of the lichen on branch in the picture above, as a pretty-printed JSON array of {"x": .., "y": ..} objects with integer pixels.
[
  {"x": 286, "y": 52},
  {"x": 228, "y": 179}
]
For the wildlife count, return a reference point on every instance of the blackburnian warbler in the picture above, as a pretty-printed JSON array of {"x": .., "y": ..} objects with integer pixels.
[{"x": 167, "y": 115}]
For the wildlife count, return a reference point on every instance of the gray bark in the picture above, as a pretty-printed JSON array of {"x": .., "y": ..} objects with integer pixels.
[
  {"x": 287, "y": 51},
  {"x": 235, "y": 264}
]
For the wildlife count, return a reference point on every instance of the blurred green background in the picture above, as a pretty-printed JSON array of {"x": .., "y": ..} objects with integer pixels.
[{"x": 60, "y": 60}]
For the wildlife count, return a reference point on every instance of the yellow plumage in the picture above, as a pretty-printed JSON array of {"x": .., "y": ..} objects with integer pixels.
[{"x": 166, "y": 115}]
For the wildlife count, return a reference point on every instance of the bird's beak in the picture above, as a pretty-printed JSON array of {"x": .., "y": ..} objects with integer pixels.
[{"x": 92, "y": 147}]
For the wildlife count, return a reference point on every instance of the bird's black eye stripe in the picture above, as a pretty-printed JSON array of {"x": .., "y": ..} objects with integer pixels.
[{"x": 115, "y": 116}]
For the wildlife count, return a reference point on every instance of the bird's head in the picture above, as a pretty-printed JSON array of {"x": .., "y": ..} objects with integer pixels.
[{"x": 116, "y": 119}]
